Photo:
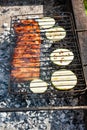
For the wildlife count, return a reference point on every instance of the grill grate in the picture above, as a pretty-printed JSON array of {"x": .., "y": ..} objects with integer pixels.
[{"x": 47, "y": 67}]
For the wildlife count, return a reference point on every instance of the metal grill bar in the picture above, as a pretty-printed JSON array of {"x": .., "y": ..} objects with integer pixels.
[
  {"x": 43, "y": 108},
  {"x": 80, "y": 30},
  {"x": 69, "y": 42}
]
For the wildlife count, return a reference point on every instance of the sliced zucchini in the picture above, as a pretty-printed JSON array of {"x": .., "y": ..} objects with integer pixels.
[
  {"x": 62, "y": 56},
  {"x": 46, "y": 22},
  {"x": 38, "y": 86},
  {"x": 56, "y": 33},
  {"x": 64, "y": 79}
]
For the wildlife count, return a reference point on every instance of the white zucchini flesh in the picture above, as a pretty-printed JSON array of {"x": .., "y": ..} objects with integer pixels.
[
  {"x": 46, "y": 22},
  {"x": 62, "y": 56},
  {"x": 56, "y": 33},
  {"x": 64, "y": 79},
  {"x": 38, "y": 86}
]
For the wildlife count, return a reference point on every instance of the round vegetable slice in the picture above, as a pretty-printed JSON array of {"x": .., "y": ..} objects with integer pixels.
[
  {"x": 62, "y": 56},
  {"x": 38, "y": 86},
  {"x": 56, "y": 33},
  {"x": 64, "y": 79},
  {"x": 46, "y": 22}
]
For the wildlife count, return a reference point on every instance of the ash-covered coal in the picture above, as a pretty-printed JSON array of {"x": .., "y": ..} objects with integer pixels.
[{"x": 33, "y": 120}]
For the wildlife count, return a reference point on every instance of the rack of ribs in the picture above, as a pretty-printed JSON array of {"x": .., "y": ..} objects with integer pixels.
[{"x": 26, "y": 57}]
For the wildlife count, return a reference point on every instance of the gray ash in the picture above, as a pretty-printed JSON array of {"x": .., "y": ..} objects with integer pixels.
[
  {"x": 38, "y": 120},
  {"x": 33, "y": 120}
]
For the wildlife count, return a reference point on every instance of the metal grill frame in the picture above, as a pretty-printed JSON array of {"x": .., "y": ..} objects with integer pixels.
[
  {"x": 44, "y": 108},
  {"x": 65, "y": 14}
]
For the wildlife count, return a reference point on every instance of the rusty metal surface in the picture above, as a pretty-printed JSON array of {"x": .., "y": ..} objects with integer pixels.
[
  {"x": 48, "y": 107},
  {"x": 70, "y": 42},
  {"x": 81, "y": 23},
  {"x": 43, "y": 108}
]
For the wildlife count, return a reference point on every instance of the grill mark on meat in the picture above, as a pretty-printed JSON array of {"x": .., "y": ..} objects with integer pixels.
[{"x": 26, "y": 57}]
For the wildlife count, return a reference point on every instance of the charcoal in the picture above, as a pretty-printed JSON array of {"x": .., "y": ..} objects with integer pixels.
[
  {"x": 5, "y": 25},
  {"x": 34, "y": 120}
]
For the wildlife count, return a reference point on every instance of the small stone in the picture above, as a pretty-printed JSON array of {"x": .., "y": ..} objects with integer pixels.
[
  {"x": 81, "y": 127},
  {"x": 2, "y": 36},
  {"x": 42, "y": 126},
  {"x": 29, "y": 17},
  {"x": 47, "y": 45},
  {"x": 9, "y": 127},
  {"x": 2, "y": 104},
  {"x": 75, "y": 102},
  {"x": 5, "y": 10},
  {"x": 2, "y": 92},
  {"x": 28, "y": 102},
  {"x": 7, "y": 29},
  {"x": 17, "y": 105},
  {"x": 5, "y": 33},
  {"x": 62, "y": 116},
  {"x": 2, "y": 127},
  {"x": 3, "y": 116},
  {"x": 5, "y": 25}
]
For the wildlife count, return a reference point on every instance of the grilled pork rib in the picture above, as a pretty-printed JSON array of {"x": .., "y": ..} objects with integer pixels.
[{"x": 26, "y": 57}]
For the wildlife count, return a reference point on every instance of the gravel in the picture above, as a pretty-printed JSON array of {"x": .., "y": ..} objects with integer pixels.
[{"x": 31, "y": 120}]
